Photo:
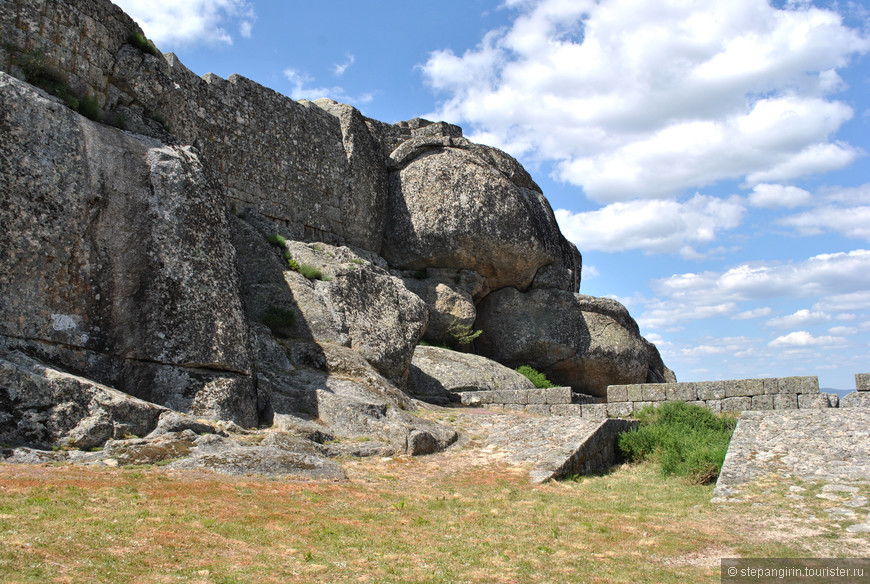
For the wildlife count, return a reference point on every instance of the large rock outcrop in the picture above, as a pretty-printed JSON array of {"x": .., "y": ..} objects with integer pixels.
[
  {"x": 115, "y": 259},
  {"x": 439, "y": 375},
  {"x": 457, "y": 205},
  {"x": 581, "y": 341},
  {"x": 139, "y": 260}
]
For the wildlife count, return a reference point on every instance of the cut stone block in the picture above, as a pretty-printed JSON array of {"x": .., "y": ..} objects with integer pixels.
[
  {"x": 559, "y": 395},
  {"x": 654, "y": 392},
  {"x": 595, "y": 411},
  {"x": 862, "y": 381},
  {"x": 708, "y": 390},
  {"x": 736, "y": 404},
  {"x": 785, "y": 401},
  {"x": 635, "y": 393},
  {"x": 565, "y": 410},
  {"x": 617, "y": 393},
  {"x": 744, "y": 388},
  {"x": 620, "y": 409},
  {"x": 762, "y": 402},
  {"x": 682, "y": 392}
]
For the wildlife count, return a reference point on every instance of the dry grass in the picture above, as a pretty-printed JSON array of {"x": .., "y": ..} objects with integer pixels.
[{"x": 459, "y": 516}]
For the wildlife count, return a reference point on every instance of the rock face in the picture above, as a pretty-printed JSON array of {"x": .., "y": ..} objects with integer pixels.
[
  {"x": 437, "y": 374},
  {"x": 457, "y": 205},
  {"x": 141, "y": 261},
  {"x": 44, "y": 407},
  {"x": 581, "y": 341},
  {"x": 117, "y": 250}
]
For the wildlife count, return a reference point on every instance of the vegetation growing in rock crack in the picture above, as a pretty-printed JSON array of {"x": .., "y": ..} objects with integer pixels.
[
  {"x": 462, "y": 334},
  {"x": 685, "y": 439},
  {"x": 277, "y": 240},
  {"x": 312, "y": 272},
  {"x": 539, "y": 379},
  {"x": 39, "y": 72},
  {"x": 160, "y": 119},
  {"x": 138, "y": 40},
  {"x": 279, "y": 320}
]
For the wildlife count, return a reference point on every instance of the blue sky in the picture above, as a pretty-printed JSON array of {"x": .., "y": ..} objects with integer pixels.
[{"x": 709, "y": 158}]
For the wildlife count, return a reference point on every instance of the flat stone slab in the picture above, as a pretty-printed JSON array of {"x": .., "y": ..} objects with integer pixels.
[
  {"x": 555, "y": 446},
  {"x": 814, "y": 445}
]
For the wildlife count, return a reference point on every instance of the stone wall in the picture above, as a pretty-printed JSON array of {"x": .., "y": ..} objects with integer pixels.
[
  {"x": 862, "y": 381},
  {"x": 777, "y": 393},
  {"x": 319, "y": 170}
]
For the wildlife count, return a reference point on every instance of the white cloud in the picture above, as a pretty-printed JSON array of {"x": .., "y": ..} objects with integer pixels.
[
  {"x": 831, "y": 275},
  {"x": 768, "y": 195},
  {"x": 645, "y": 98},
  {"x": 805, "y": 339},
  {"x": 192, "y": 21},
  {"x": 841, "y": 279},
  {"x": 653, "y": 226},
  {"x": 754, "y": 313},
  {"x": 339, "y": 68},
  {"x": 301, "y": 90},
  {"x": 843, "y": 330},
  {"x": 800, "y": 318},
  {"x": 851, "y": 222}
]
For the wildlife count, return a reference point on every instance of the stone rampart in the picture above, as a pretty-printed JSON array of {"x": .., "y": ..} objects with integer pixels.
[
  {"x": 736, "y": 395},
  {"x": 318, "y": 169}
]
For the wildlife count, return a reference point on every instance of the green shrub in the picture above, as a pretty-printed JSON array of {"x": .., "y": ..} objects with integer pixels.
[
  {"x": 312, "y": 272},
  {"x": 277, "y": 240},
  {"x": 685, "y": 439},
  {"x": 279, "y": 320},
  {"x": 462, "y": 334},
  {"x": 539, "y": 379},
  {"x": 138, "y": 40},
  {"x": 293, "y": 264}
]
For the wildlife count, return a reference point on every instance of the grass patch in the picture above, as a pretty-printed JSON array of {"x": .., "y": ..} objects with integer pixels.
[
  {"x": 402, "y": 521},
  {"x": 312, "y": 272},
  {"x": 277, "y": 240},
  {"x": 279, "y": 320},
  {"x": 685, "y": 439},
  {"x": 539, "y": 379},
  {"x": 138, "y": 40}
]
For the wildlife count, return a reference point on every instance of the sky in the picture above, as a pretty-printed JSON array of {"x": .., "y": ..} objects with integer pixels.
[{"x": 708, "y": 157}]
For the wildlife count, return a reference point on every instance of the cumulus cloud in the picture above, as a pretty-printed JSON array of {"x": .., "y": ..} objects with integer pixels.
[
  {"x": 774, "y": 195},
  {"x": 653, "y": 226},
  {"x": 800, "y": 318},
  {"x": 841, "y": 279},
  {"x": 193, "y": 21},
  {"x": 805, "y": 339},
  {"x": 643, "y": 99},
  {"x": 833, "y": 275},
  {"x": 301, "y": 89}
]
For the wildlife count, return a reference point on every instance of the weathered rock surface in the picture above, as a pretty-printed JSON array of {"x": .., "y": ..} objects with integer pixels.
[
  {"x": 438, "y": 374},
  {"x": 585, "y": 342},
  {"x": 117, "y": 251},
  {"x": 457, "y": 205},
  {"x": 338, "y": 389},
  {"x": 357, "y": 303},
  {"x": 44, "y": 407},
  {"x": 120, "y": 262},
  {"x": 449, "y": 296}
]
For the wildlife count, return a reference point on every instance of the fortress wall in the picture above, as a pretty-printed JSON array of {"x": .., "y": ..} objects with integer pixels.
[{"x": 320, "y": 175}]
